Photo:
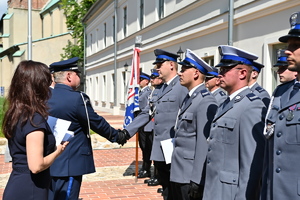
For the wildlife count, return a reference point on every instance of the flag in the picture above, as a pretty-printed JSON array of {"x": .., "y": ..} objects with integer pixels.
[{"x": 132, "y": 103}]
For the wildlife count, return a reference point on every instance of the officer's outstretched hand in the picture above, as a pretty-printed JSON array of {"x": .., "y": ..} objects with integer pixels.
[
  {"x": 123, "y": 136},
  {"x": 196, "y": 190}
]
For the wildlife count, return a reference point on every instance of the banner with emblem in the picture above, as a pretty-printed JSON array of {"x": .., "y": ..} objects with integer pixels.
[{"x": 132, "y": 103}]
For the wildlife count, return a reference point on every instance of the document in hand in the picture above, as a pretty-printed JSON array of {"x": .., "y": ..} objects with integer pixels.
[
  {"x": 59, "y": 129},
  {"x": 167, "y": 147}
]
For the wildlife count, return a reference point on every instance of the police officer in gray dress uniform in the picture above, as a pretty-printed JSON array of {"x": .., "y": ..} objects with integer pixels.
[
  {"x": 192, "y": 129},
  {"x": 281, "y": 68},
  {"x": 236, "y": 142},
  {"x": 282, "y": 175},
  {"x": 156, "y": 83},
  {"x": 164, "y": 109},
  {"x": 212, "y": 83},
  {"x": 145, "y": 133},
  {"x": 255, "y": 87}
]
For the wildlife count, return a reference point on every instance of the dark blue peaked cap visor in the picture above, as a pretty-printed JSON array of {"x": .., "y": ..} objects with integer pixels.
[{"x": 65, "y": 65}]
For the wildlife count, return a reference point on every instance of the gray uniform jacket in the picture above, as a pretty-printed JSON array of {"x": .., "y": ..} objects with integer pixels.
[
  {"x": 220, "y": 95},
  {"x": 236, "y": 149},
  {"x": 193, "y": 126},
  {"x": 261, "y": 93},
  {"x": 282, "y": 170},
  {"x": 144, "y": 97},
  {"x": 143, "y": 102},
  {"x": 165, "y": 105}
]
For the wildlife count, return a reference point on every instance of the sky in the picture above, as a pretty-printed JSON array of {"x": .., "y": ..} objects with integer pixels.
[{"x": 3, "y": 7}]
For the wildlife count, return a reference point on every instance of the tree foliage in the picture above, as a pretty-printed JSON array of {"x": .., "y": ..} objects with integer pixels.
[{"x": 74, "y": 12}]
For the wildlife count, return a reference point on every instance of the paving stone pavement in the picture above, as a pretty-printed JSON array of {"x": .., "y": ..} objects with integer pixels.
[{"x": 113, "y": 178}]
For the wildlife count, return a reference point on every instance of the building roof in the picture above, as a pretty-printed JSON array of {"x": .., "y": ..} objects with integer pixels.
[{"x": 49, "y": 5}]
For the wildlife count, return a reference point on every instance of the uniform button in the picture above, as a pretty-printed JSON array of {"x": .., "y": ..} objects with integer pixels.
[
  {"x": 281, "y": 117},
  {"x": 234, "y": 180},
  {"x": 155, "y": 134},
  {"x": 208, "y": 160},
  {"x": 155, "y": 123},
  {"x": 299, "y": 119},
  {"x": 209, "y": 149},
  {"x": 211, "y": 137},
  {"x": 156, "y": 112},
  {"x": 279, "y": 134},
  {"x": 214, "y": 125},
  {"x": 278, "y": 152},
  {"x": 278, "y": 170}
]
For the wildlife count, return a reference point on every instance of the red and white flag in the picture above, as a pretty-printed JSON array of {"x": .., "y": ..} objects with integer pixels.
[{"x": 132, "y": 103}]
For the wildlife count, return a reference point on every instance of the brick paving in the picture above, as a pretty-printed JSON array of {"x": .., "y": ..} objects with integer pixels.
[{"x": 113, "y": 178}]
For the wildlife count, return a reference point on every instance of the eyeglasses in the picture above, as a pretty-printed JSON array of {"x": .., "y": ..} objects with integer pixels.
[{"x": 224, "y": 70}]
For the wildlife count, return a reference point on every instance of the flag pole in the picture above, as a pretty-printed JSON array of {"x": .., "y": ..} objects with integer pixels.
[
  {"x": 29, "y": 43},
  {"x": 138, "y": 44},
  {"x": 136, "y": 156}
]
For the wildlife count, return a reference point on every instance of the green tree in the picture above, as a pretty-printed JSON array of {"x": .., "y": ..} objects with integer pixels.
[{"x": 74, "y": 12}]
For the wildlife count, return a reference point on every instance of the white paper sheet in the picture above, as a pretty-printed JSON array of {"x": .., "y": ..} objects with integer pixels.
[
  {"x": 167, "y": 147},
  {"x": 59, "y": 129}
]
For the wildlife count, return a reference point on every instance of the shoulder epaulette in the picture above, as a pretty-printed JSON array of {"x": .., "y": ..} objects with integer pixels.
[
  {"x": 252, "y": 97},
  {"x": 148, "y": 89},
  {"x": 259, "y": 89},
  {"x": 222, "y": 93},
  {"x": 204, "y": 92}
]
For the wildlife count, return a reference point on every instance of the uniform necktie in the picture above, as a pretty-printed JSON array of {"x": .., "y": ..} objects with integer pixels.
[
  {"x": 226, "y": 102},
  {"x": 295, "y": 89},
  {"x": 187, "y": 97},
  {"x": 164, "y": 86}
]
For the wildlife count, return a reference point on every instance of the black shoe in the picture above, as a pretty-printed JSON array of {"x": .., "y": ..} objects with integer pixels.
[
  {"x": 154, "y": 182},
  {"x": 148, "y": 180},
  {"x": 159, "y": 190},
  {"x": 144, "y": 174}
]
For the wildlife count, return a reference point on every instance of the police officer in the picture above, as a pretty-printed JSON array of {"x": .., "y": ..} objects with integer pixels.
[
  {"x": 68, "y": 104},
  {"x": 156, "y": 83},
  {"x": 281, "y": 178},
  {"x": 164, "y": 108},
  {"x": 212, "y": 83},
  {"x": 255, "y": 87},
  {"x": 281, "y": 68},
  {"x": 192, "y": 129},
  {"x": 145, "y": 133},
  {"x": 236, "y": 142}
]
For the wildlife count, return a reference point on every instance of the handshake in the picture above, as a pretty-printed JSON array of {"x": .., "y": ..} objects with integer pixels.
[{"x": 123, "y": 136}]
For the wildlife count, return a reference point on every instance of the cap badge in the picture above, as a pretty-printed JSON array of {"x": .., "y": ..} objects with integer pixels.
[{"x": 293, "y": 19}]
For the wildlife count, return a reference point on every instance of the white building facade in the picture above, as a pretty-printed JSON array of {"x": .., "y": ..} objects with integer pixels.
[{"x": 200, "y": 25}]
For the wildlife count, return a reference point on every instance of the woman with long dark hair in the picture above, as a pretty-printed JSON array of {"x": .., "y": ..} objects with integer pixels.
[{"x": 30, "y": 140}]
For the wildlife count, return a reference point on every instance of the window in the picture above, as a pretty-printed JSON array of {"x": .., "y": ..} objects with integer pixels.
[
  {"x": 209, "y": 60},
  {"x": 97, "y": 39},
  {"x": 114, "y": 30},
  {"x": 104, "y": 36},
  {"x": 91, "y": 42},
  {"x": 125, "y": 21},
  {"x": 52, "y": 23},
  {"x": 96, "y": 91},
  {"x": 141, "y": 13},
  {"x": 103, "y": 88},
  {"x": 123, "y": 87},
  {"x": 161, "y": 8}
]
